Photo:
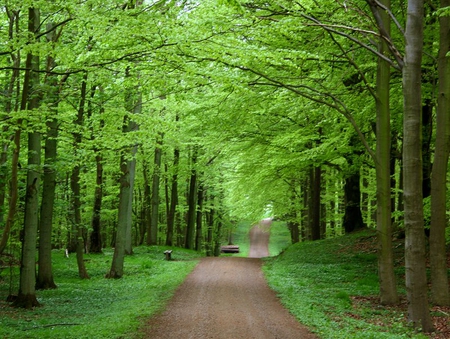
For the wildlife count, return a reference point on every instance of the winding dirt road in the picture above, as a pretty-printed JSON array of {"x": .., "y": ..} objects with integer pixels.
[{"x": 226, "y": 298}]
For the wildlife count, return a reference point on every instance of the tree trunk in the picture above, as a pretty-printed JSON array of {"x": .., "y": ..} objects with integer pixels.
[
  {"x": 192, "y": 205},
  {"x": 128, "y": 232},
  {"x": 127, "y": 168},
  {"x": 9, "y": 91},
  {"x": 96, "y": 243},
  {"x": 27, "y": 286},
  {"x": 153, "y": 234},
  {"x": 96, "y": 234},
  {"x": 199, "y": 221},
  {"x": 386, "y": 275},
  {"x": 415, "y": 267},
  {"x": 173, "y": 199},
  {"x": 438, "y": 257},
  {"x": 317, "y": 185},
  {"x": 14, "y": 192},
  {"x": 210, "y": 224},
  {"x": 45, "y": 273},
  {"x": 76, "y": 241},
  {"x": 116, "y": 270},
  {"x": 352, "y": 195}
]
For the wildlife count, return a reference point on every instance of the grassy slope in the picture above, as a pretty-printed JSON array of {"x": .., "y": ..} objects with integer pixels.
[
  {"x": 98, "y": 307},
  {"x": 331, "y": 287}
]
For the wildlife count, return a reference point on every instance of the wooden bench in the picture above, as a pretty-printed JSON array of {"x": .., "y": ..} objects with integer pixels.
[
  {"x": 168, "y": 254},
  {"x": 229, "y": 249}
]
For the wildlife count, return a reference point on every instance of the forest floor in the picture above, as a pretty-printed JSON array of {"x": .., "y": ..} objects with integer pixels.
[{"x": 228, "y": 297}]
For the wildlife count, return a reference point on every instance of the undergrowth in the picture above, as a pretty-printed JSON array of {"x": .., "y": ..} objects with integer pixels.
[
  {"x": 331, "y": 286},
  {"x": 97, "y": 308}
]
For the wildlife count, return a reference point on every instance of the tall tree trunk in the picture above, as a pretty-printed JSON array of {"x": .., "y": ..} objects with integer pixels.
[
  {"x": 293, "y": 224},
  {"x": 153, "y": 232},
  {"x": 317, "y": 185},
  {"x": 27, "y": 289},
  {"x": 116, "y": 270},
  {"x": 352, "y": 195},
  {"x": 386, "y": 276},
  {"x": 96, "y": 243},
  {"x": 192, "y": 204},
  {"x": 147, "y": 205},
  {"x": 76, "y": 240},
  {"x": 199, "y": 219},
  {"x": 128, "y": 232},
  {"x": 45, "y": 273},
  {"x": 438, "y": 257},
  {"x": 133, "y": 102},
  {"x": 173, "y": 199},
  {"x": 416, "y": 279},
  {"x": 6, "y": 225},
  {"x": 209, "y": 244}
]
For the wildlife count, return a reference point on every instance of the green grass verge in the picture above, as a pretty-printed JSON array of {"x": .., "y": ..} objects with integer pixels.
[
  {"x": 331, "y": 286},
  {"x": 98, "y": 307}
]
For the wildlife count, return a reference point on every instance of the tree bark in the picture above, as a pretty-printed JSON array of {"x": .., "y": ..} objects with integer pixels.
[
  {"x": 76, "y": 240},
  {"x": 27, "y": 290},
  {"x": 153, "y": 232},
  {"x": 173, "y": 199},
  {"x": 317, "y": 186},
  {"x": 416, "y": 279},
  {"x": 199, "y": 219},
  {"x": 116, "y": 270},
  {"x": 96, "y": 243},
  {"x": 352, "y": 193},
  {"x": 133, "y": 102},
  {"x": 386, "y": 275},
  {"x": 438, "y": 257},
  {"x": 45, "y": 273},
  {"x": 12, "y": 204},
  {"x": 192, "y": 205}
]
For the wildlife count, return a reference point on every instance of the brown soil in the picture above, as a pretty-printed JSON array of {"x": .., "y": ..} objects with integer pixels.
[{"x": 225, "y": 298}]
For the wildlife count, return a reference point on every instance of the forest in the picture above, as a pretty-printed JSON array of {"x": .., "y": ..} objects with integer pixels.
[{"x": 163, "y": 122}]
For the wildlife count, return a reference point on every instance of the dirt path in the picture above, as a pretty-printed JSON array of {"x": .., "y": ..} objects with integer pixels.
[{"x": 226, "y": 298}]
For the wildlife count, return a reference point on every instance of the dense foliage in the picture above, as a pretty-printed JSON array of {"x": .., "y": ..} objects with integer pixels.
[{"x": 167, "y": 122}]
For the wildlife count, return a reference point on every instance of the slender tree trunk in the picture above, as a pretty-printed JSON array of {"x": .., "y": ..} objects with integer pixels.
[
  {"x": 416, "y": 279},
  {"x": 9, "y": 93},
  {"x": 192, "y": 205},
  {"x": 438, "y": 257},
  {"x": 127, "y": 168},
  {"x": 306, "y": 210},
  {"x": 388, "y": 286},
  {"x": 96, "y": 243},
  {"x": 128, "y": 237},
  {"x": 27, "y": 289},
  {"x": 210, "y": 225},
  {"x": 173, "y": 199},
  {"x": 14, "y": 85},
  {"x": 199, "y": 221},
  {"x": 116, "y": 270},
  {"x": 45, "y": 273},
  {"x": 352, "y": 195},
  {"x": 317, "y": 185},
  {"x": 76, "y": 240},
  {"x": 155, "y": 192}
]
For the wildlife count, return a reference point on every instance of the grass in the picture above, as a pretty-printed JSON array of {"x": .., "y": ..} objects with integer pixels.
[
  {"x": 98, "y": 307},
  {"x": 331, "y": 286}
]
